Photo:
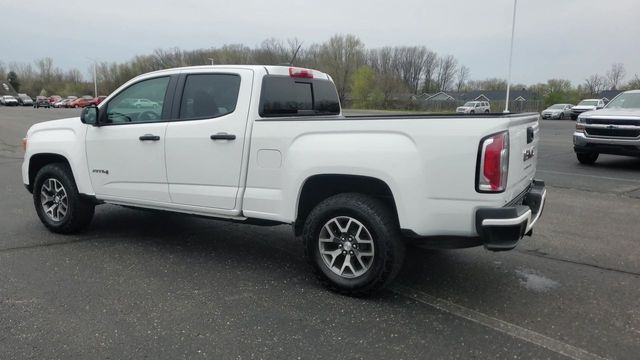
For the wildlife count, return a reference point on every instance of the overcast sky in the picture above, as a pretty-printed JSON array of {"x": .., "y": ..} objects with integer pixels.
[{"x": 569, "y": 39}]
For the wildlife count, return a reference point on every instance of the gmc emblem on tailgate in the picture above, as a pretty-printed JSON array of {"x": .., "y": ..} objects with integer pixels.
[{"x": 528, "y": 153}]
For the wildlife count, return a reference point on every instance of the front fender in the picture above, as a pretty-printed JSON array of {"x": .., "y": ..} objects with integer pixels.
[{"x": 61, "y": 138}]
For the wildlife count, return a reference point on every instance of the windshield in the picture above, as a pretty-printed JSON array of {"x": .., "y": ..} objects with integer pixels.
[
  {"x": 589, "y": 102},
  {"x": 556, "y": 106},
  {"x": 625, "y": 101},
  {"x": 470, "y": 104}
]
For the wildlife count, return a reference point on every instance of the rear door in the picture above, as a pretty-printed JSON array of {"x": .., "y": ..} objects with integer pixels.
[{"x": 206, "y": 137}]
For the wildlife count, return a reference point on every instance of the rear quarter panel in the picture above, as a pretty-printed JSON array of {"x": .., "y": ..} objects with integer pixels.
[{"x": 428, "y": 163}]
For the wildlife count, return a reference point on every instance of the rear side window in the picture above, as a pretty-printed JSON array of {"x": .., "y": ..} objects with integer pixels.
[
  {"x": 209, "y": 95},
  {"x": 287, "y": 96}
]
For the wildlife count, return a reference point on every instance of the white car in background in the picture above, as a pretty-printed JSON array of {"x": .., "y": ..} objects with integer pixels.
[
  {"x": 474, "y": 107},
  {"x": 586, "y": 105},
  {"x": 8, "y": 100}
]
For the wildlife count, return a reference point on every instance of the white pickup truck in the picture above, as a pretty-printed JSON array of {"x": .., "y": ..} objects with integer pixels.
[{"x": 269, "y": 145}]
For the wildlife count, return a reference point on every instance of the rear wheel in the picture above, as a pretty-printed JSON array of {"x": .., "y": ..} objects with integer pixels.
[
  {"x": 587, "y": 158},
  {"x": 59, "y": 205},
  {"x": 354, "y": 244}
]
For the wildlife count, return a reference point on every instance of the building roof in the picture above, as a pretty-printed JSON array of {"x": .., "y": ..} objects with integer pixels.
[
  {"x": 608, "y": 94},
  {"x": 480, "y": 95},
  {"x": 7, "y": 89}
]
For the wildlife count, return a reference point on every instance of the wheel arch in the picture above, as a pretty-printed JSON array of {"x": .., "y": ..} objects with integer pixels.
[
  {"x": 40, "y": 160},
  {"x": 317, "y": 188}
]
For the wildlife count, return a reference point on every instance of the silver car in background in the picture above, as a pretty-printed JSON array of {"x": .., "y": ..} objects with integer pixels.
[{"x": 557, "y": 111}]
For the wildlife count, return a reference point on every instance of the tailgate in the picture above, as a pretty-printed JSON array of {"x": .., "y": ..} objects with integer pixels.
[{"x": 524, "y": 136}]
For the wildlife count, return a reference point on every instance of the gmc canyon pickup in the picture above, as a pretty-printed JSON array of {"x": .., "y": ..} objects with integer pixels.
[{"x": 269, "y": 145}]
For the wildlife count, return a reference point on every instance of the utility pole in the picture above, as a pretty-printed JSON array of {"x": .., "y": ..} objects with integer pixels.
[
  {"x": 513, "y": 31},
  {"x": 95, "y": 76}
]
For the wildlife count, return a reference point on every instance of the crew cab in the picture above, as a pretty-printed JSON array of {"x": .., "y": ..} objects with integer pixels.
[
  {"x": 613, "y": 130},
  {"x": 269, "y": 145}
]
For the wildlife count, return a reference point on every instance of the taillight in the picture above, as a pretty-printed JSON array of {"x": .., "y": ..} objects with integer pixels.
[
  {"x": 24, "y": 144},
  {"x": 493, "y": 163},
  {"x": 300, "y": 73}
]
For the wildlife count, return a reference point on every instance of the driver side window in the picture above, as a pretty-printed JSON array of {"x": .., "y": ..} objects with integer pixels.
[{"x": 141, "y": 102}]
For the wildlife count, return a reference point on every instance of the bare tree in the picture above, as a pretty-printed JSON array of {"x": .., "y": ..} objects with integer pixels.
[
  {"x": 340, "y": 57},
  {"x": 384, "y": 62},
  {"x": 3, "y": 71},
  {"x": 45, "y": 66},
  {"x": 595, "y": 84},
  {"x": 271, "y": 52},
  {"x": 410, "y": 65},
  {"x": 446, "y": 72},
  {"x": 615, "y": 75},
  {"x": 430, "y": 66},
  {"x": 462, "y": 77},
  {"x": 634, "y": 84},
  {"x": 491, "y": 84},
  {"x": 558, "y": 85},
  {"x": 294, "y": 49}
]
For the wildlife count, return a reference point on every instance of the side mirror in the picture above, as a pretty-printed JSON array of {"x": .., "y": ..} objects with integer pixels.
[{"x": 89, "y": 115}]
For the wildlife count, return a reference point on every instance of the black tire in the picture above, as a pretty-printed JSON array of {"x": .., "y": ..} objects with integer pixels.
[
  {"x": 472, "y": 112},
  {"x": 379, "y": 221},
  {"x": 486, "y": 111},
  {"x": 561, "y": 117},
  {"x": 573, "y": 117},
  {"x": 587, "y": 158},
  {"x": 79, "y": 210}
]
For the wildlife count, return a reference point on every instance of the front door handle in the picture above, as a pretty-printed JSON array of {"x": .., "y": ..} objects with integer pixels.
[
  {"x": 223, "y": 136},
  {"x": 149, "y": 137}
]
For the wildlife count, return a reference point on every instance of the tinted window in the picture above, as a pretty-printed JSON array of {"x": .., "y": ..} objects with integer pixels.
[
  {"x": 140, "y": 102},
  {"x": 287, "y": 96},
  {"x": 209, "y": 95}
]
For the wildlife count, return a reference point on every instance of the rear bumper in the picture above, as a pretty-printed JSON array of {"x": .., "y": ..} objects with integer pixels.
[{"x": 501, "y": 229}]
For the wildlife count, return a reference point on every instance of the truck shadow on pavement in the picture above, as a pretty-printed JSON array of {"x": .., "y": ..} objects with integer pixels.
[{"x": 274, "y": 253}]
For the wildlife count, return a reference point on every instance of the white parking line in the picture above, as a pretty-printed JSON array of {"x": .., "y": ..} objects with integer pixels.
[
  {"x": 589, "y": 176},
  {"x": 510, "y": 329}
]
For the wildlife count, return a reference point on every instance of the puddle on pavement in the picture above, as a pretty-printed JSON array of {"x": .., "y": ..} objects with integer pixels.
[{"x": 535, "y": 282}]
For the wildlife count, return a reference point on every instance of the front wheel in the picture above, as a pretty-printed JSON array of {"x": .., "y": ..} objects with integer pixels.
[
  {"x": 354, "y": 244},
  {"x": 59, "y": 205},
  {"x": 561, "y": 116},
  {"x": 587, "y": 158}
]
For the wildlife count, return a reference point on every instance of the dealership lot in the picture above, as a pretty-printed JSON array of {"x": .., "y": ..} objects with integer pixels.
[{"x": 141, "y": 283}]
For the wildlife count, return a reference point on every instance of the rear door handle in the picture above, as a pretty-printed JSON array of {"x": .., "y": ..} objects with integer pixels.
[
  {"x": 223, "y": 136},
  {"x": 149, "y": 137}
]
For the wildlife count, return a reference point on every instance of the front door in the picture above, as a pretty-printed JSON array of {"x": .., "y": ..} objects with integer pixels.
[
  {"x": 205, "y": 144},
  {"x": 125, "y": 153}
]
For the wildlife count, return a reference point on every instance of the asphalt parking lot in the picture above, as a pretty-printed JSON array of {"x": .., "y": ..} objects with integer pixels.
[{"x": 144, "y": 284}]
